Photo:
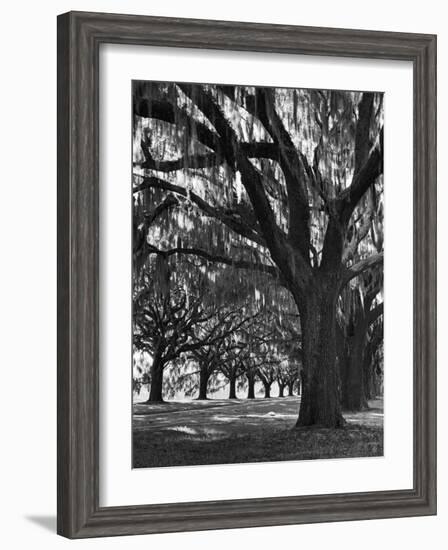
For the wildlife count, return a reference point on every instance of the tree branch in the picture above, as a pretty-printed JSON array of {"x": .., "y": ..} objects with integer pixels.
[
  {"x": 358, "y": 233},
  {"x": 368, "y": 166},
  {"x": 140, "y": 244},
  {"x": 165, "y": 111},
  {"x": 362, "y": 136},
  {"x": 168, "y": 203},
  {"x": 228, "y": 219},
  {"x": 373, "y": 315},
  {"x": 252, "y": 150},
  {"x": 293, "y": 167},
  {"x": 260, "y": 149},
  {"x": 360, "y": 267},
  {"x": 216, "y": 258},
  {"x": 274, "y": 237},
  {"x": 366, "y": 176},
  {"x": 189, "y": 161}
]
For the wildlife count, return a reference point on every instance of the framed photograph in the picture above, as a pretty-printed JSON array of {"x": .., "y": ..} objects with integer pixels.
[{"x": 246, "y": 274}]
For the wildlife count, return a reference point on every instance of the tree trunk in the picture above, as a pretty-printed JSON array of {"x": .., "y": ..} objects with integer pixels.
[
  {"x": 378, "y": 386},
  {"x": 267, "y": 390},
  {"x": 368, "y": 373},
  {"x": 342, "y": 355},
  {"x": 232, "y": 388},
  {"x": 290, "y": 390},
  {"x": 320, "y": 403},
  {"x": 372, "y": 373},
  {"x": 250, "y": 387},
  {"x": 281, "y": 390},
  {"x": 203, "y": 382},
  {"x": 155, "y": 393},
  {"x": 353, "y": 383},
  {"x": 376, "y": 379},
  {"x": 353, "y": 395}
]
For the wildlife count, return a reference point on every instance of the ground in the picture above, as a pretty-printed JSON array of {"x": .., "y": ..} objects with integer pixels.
[{"x": 238, "y": 431}]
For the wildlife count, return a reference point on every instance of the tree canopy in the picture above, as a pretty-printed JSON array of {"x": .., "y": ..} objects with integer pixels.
[{"x": 264, "y": 202}]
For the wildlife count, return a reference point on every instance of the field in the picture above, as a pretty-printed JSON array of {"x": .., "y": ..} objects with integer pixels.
[{"x": 238, "y": 431}]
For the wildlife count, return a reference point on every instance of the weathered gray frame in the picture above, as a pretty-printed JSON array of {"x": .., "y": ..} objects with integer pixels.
[{"x": 79, "y": 38}]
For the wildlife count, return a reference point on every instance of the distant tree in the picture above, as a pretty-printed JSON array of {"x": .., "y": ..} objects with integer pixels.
[
  {"x": 288, "y": 341},
  {"x": 222, "y": 332},
  {"x": 268, "y": 374},
  {"x": 245, "y": 351},
  {"x": 281, "y": 380},
  {"x": 294, "y": 377},
  {"x": 288, "y": 377},
  {"x": 166, "y": 315},
  {"x": 232, "y": 368},
  {"x": 262, "y": 349},
  {"x": 251, "y": 376},
  {"x": 207, "y": 361}
]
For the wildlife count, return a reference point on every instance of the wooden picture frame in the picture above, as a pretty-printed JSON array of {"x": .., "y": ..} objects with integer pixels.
[{"x": 79, "y": 38}]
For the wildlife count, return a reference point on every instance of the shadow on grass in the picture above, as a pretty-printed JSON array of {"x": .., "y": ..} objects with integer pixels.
[{"x": 160, "y": 449}]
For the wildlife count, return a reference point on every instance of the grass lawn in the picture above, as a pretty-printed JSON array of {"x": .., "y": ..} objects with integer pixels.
[{"x": 223, "y": 432}]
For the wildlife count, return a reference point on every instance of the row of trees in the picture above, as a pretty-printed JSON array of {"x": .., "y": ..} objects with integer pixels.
[
  {"x": 276, "y": 194},
  {"x": 199, "y": 341},
  {"x": 186, "y": 343}
]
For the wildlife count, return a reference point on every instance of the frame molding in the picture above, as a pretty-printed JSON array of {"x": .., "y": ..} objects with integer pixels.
[{"x": 79, "y": 38}]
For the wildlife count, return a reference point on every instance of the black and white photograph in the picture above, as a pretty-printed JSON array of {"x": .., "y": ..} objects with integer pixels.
[
  {"x": 257, "y": 274},
  {"x": 224, "y": 261}
]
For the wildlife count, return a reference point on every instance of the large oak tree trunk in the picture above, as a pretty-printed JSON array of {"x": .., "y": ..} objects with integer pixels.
[
  {"x": 155, "y": 393},
  {"x": 250, "y": 387},
  {"x": 353, "y": 383},
  {"x": 203, "y": 382},
  {"x": 320, "y": 403},
  {"x": 290, "y": 390},
  {"x": 368, "y": 373},
  {"x": 232, "y": 388},
  {"x": 353, "y": 391},
  {"x": 281, "y": 390}
]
